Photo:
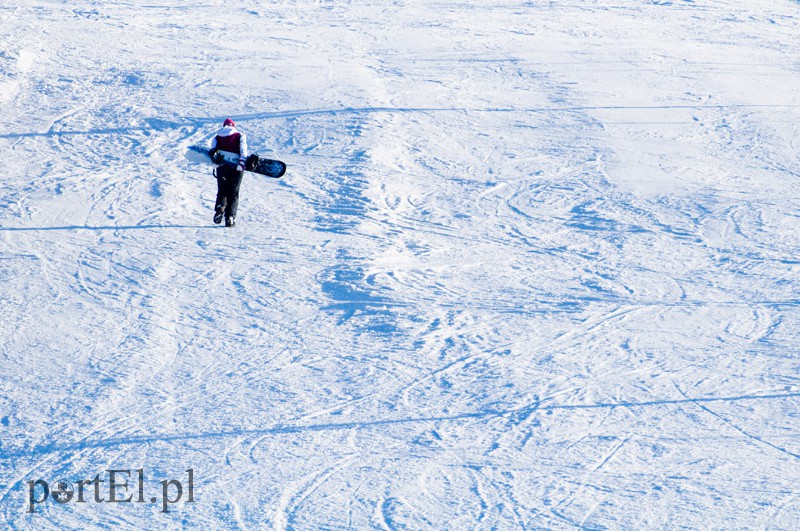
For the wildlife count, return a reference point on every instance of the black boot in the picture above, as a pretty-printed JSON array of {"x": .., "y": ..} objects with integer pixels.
[
  {"x": 218, "y": 214},
  {"x": 230, "y": 222}
]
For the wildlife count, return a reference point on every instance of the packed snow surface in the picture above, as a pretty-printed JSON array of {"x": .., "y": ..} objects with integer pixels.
[{"x": 533, "y": 265}]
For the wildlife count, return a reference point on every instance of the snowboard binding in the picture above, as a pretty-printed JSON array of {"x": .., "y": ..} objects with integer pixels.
[
  {"x": 216, "y": 156},
  {"x": 252, "y": 162}
]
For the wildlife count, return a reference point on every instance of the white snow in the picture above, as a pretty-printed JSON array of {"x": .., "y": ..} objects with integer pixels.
[{"x": 534, "y": 264}]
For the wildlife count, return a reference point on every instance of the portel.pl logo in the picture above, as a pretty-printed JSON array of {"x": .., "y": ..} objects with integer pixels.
[{"x": 121, "y": 486}]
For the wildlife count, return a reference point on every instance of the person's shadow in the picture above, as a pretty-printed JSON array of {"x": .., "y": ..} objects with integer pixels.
[{"x": 105, "y": 227}]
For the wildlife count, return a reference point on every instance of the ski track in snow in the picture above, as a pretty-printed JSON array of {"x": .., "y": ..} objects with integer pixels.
[{"x": 533, "y": 265}]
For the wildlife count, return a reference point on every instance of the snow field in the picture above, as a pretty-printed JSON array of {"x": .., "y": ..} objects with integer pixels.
[{"x": 534, "y": 264}]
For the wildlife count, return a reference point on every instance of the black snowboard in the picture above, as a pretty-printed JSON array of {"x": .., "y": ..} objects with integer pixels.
[{"x": 254, "y": 163}]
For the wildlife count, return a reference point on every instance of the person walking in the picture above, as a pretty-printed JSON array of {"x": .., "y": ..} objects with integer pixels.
[{"x": 229, "y": 176}]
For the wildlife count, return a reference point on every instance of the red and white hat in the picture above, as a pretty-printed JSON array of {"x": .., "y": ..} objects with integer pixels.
[{"x": 228, "y": 122}]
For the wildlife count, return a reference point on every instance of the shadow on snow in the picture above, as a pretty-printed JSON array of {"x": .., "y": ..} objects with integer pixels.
[{"x": 514, "y": 415}]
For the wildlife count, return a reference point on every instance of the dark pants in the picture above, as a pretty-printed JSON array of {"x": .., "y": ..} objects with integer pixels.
[{"x": 228, "y": 182}]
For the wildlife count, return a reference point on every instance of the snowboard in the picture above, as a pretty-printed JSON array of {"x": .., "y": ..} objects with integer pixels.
[{"x": 254, "y": 163}]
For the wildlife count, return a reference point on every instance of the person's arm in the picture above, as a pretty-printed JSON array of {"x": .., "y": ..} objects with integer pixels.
[
  {"x": 242, "y": 151},
  {"x": 243, "y": 145}
]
